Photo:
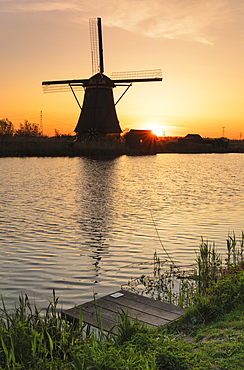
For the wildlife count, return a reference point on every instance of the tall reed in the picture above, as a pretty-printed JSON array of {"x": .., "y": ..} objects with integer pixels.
[
  {"x": 209, "y": 266},
  {"x": 172, "y": 284},
  {"x": 32, "y": 339}
]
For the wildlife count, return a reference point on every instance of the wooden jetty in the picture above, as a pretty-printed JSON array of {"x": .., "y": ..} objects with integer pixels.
[{"x": 103, "y": 312}]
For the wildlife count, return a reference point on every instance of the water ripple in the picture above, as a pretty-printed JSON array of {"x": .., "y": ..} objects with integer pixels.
[{"x": 84, "y": 226}]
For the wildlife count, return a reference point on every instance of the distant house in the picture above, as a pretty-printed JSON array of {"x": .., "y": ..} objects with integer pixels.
[
  {"x": 192, "y": 143},
  {"x": 141, "y": 141},
  {"x": 192, "y": 138}
]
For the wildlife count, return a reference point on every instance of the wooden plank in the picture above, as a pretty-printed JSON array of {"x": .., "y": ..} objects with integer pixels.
[
  {"x": 110, "y": 315},
  {"x": 94, "y": 314},
  {"x": 91, "y": 319},
  {"x": 153, "y": 302},
  {"x": 103, "y": 312},
  {"x": 108, "y": 310},
  {"x": 136, "y": 312},
  {"x": 128, "y": 303}
]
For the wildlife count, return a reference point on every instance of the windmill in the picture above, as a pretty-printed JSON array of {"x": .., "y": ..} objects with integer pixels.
[{"x": 98, "y": 117}]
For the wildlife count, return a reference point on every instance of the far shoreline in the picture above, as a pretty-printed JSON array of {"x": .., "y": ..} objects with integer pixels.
[{"x": 68, "y": 147}]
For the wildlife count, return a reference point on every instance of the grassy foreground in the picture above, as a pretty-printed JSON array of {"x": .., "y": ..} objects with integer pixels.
[{"x": 208, "y": 336}]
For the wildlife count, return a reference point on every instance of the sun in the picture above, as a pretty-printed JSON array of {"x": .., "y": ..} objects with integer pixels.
[{"x": 156, "y": 129}]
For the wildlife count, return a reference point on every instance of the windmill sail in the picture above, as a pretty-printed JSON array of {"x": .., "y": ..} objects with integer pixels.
[
  {"x": 63, "y": 85},
  {"x": 96, "y": 45},
  {"x": 137, "y": 76}
]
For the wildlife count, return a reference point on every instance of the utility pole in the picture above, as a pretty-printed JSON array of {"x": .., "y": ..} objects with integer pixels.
[
  {"x": 223, "y": 131},
  {"x": 41, "y": 123}
]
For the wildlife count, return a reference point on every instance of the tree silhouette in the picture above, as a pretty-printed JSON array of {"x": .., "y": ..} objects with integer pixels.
[
  {"x": 28, "y": 129},
  {"x": 6, "y": 127}
]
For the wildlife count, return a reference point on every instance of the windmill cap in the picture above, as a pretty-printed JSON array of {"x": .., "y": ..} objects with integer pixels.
[{"x": 99, "y": 79}]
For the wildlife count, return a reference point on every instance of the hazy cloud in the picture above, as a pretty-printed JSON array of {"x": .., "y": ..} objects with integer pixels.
[
  {"x": 189, "y": 20},
  {"x": 39, "y": 6}
]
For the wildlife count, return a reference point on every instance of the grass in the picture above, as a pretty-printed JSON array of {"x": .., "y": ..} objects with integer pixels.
[
  {"x": 35, "y": 339},
  {"x": 221, "y": 343},
  {"x": 208, "y": 336}
]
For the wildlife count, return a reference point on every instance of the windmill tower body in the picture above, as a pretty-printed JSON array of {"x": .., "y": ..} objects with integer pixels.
[{"x": 98, "y": 117}]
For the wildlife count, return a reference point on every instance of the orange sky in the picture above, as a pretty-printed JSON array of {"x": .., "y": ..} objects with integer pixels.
[{"x": 198, "y": 44}]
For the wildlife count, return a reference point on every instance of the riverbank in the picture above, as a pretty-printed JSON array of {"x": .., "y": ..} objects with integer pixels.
[
  {"x": 208, "y": 335},
  {"x": 67, "y": 147},
  {"x": 41, "y": 342}
]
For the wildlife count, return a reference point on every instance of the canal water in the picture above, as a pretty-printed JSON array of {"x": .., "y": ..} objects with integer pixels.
[{"x": 83, "y": 226}]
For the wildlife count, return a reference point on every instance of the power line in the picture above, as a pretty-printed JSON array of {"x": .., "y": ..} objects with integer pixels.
[{"x": 54, "y": 120}]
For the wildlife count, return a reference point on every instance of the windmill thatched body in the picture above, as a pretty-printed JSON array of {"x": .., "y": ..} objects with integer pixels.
[{"x": 98, "y": 117}]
